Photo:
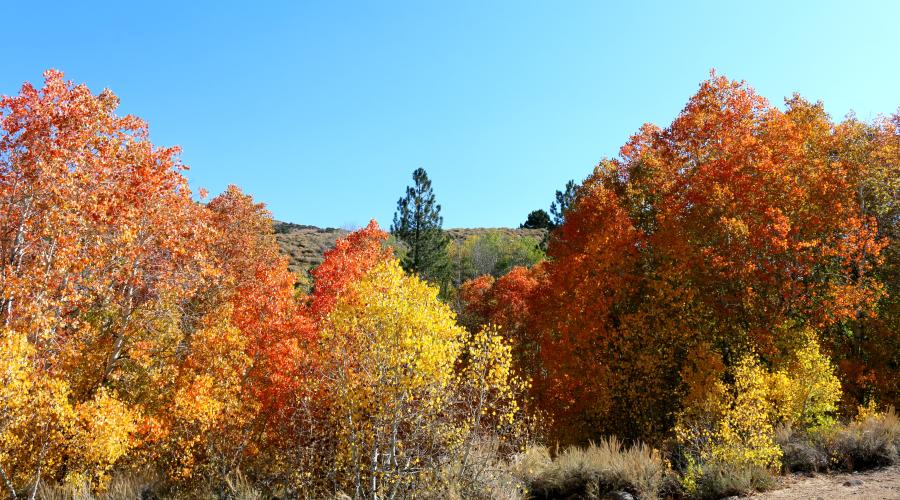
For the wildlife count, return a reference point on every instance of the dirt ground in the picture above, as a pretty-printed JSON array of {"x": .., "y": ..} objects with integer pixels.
[{"x": 878, "y": 484}]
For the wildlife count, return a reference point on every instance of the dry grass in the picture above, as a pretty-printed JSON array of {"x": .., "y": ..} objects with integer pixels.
[
  {"x": 305, "y": 245},
  {"x": 481, "y": 473},
  {"x": 148, "y": 486},
  {"x": 873, "y": 442},
  {"x": 722, "y": 480},
  {"x": 593, "y": 472},
  {"x": 240, "y": 488},
  {"x": 144, "y": 485}
]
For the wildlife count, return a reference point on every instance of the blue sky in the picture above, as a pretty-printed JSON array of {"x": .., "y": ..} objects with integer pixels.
[{"x": 323, "y": 109}]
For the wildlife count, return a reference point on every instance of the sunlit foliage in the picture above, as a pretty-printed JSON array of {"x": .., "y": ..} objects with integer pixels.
[
  {"x": 729, "y": 275},
  {"x": 731, "y": 233}
]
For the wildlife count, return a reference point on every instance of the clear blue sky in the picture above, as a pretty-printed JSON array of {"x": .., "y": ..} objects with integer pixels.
[{"x": 323, "y": 109}]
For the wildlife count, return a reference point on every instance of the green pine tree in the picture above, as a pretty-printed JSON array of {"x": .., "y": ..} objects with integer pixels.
[
  {"x": 537, "y": 219},
  {"x": 417, "y": 223},
  {"x": 564, "y": 201}
]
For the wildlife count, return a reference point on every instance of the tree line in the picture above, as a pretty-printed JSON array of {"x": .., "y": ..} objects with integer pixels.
[{"x": 727, "y": 277}]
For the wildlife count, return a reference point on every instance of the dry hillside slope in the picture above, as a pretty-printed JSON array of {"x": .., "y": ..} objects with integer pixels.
[{"x": 305, "y": 245}]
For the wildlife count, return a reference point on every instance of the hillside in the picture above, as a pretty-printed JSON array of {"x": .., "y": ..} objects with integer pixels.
[{"x": 305, "y": 245}]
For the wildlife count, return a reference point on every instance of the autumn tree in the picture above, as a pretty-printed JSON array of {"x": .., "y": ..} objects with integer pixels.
[
  {"x": 417, "y": 223},
  {"x": 349, "y": 261},
  {"x": 507, "y": 302},
  {"x": 145, "y": 329},
  {"x": 869, "y": 347},
  {"x": 256, "y": 279},
  {"x": 99, "y": 237},
  {"x": 408, "y": 387},
  {"x": 709, "y": 236},
  {"x": 393, "y": 346},
  {"x": 246, "y": 360}
]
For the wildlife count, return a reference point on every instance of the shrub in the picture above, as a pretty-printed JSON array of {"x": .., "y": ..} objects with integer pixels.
[
  {"x": 725, "y": 442},
  {"x": 481, "y": 473},
  {"x": 733, "y": 426},
  {"x": 804, "y": 390},
  {"x": 732, "y": 429},
  {"x": 593, "y": 471},
  {"x": 802, "y": 451},
  {"x": 872, "y": 442},
  {"x": 720, "y": 480}
]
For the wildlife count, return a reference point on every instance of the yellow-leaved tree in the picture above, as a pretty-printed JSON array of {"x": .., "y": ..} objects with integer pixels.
[
  {"x": 34, "y": 414},
  {"x": 401, "y": 372},
  {"x": 803, "y": 387},
  {"x": 732, "y": 425}
]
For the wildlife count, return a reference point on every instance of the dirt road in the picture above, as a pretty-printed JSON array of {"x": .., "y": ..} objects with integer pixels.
[{"x": 881, "y": 484}]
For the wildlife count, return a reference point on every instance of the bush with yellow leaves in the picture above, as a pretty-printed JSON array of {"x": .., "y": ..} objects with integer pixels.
[
  {"x": 35, "y": 417},
  {"x": 102, "y": 429},
  {"x": 804, "y": 389},
  {"x": 733, "y": 426},
  {"x": 411, "y": 392},
  {"x": 729, "y": 433}
]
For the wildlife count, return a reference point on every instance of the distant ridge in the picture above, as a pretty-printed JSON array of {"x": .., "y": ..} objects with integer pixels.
[{"x": 305, "y": 245}]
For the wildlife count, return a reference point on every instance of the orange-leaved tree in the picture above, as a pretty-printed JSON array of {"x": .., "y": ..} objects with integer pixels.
[
  {"x": 99, "y": 238},
  {"x": 715, "y": 234},
  {"x": 868, "y": 348},
  {"x": 507, "y": 302},
  {"x": 144, "y": 329}
]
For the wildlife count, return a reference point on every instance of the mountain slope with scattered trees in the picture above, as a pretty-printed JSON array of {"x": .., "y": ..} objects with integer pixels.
[{"x": 305, "y": 245}]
